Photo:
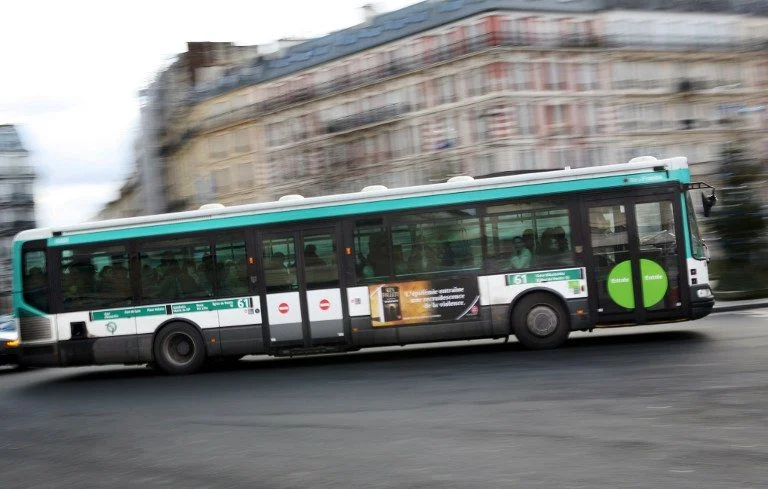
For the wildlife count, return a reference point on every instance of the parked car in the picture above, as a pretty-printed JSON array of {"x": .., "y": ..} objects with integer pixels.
[{"x": 9, "y": 340}]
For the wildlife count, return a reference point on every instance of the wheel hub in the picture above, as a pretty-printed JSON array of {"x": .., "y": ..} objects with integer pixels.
[
  {"x": 541, "y": 321},
  {"x": 183, "y": 348},
  {"x": 180, "y": 348}
]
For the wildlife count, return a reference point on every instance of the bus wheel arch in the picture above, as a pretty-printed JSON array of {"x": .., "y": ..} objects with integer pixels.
[
  {"x": 178, "y": 347},
  {"x": 539, "y": 319}
]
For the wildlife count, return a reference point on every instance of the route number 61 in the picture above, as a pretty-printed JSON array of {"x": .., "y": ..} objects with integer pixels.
[{"x": 519, "y": 279}]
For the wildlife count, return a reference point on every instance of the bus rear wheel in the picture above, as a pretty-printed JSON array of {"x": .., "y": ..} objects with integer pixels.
[
  {"x": 539, "y": 322},
  {"x": 179, "y": 349}
]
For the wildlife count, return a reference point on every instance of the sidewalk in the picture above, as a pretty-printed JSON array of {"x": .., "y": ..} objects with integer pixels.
[{"x": 725, "y": 306}]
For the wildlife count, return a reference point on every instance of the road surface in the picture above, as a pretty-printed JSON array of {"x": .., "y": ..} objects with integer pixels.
[{"x": 673, "y": 406}]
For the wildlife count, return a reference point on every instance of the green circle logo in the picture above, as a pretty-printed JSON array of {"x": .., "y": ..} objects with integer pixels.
[
  {"x": 620, "y": 285},
  {"x": 654, "y": 283}
]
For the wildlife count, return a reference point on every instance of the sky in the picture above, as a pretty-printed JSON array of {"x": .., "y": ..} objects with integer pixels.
[{"x": 71, "y": 72}]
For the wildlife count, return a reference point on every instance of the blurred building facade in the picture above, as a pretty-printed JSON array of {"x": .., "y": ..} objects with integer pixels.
[
  {"x": 127, "y": 204},
  {"x": 17, "y": 203},
  {"x": 452, "y": 87},
  {"x": 165, "y": 105}
]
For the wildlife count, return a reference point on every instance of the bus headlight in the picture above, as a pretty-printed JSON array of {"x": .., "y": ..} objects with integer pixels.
[
  {"x": 704, "y": 293},
  {"x": 12, "y": 343}
]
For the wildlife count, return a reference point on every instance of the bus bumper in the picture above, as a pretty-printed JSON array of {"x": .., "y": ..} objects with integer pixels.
[
  {"x": 45, "y": 355},
  {"x": 702, "y": 301}
]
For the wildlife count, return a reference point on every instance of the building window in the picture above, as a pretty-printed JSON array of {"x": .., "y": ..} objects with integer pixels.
[
  {"x": 218, "y": 145},
  {"x": 588, "y": 76},
  {"x": 222, "y": 179},
  {"x": 557, "y": 119},
  {"x": 525, "y": 119},
  {"x": 446, "y": 90},
  {"x": 242, "y": 141},
  {"x": 527, "y": 159},
  {"x": 485, "y": 164},
  {"x": 245, "y": 175}
]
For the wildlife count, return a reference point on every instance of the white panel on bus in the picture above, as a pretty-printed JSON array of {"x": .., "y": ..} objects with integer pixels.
[
  {"x": 569, "y": 282},
  {"x": 117, "y": 326},
  {"x": 242, "y": 313},
  {"x": 324, "y": 304},
  {"x": 358, "y": 301},
  {"x": 484, "y": 287},
  {"x": 702, "y": 271},
  {"x": 284, "y": 308}
]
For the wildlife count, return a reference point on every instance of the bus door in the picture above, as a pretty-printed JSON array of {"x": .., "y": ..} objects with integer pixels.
[
  {"x": 636, "y": 257},
  {"x": 301, "y": 287}
]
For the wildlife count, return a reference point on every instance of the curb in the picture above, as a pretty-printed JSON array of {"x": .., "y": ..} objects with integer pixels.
[{"x": 739, "y": 307}]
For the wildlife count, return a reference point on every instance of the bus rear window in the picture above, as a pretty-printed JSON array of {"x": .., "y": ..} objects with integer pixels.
[{"x": 35, "y": 279}]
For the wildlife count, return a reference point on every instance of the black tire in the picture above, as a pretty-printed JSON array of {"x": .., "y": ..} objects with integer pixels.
[
  {"x": 540, "y": 322},
  {"x": 179, "y": 349}
]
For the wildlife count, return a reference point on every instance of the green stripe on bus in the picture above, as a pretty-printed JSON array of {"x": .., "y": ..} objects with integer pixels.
[
  {"x": 131, "y": 312},
  {"x": 541, "y": 277},
  {"x": 203, "y": 306},
  {"x": 352, "y": 209}
]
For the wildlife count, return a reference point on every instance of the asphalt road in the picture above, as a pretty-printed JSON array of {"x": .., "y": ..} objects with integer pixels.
[{"x": 682, "y": 405}]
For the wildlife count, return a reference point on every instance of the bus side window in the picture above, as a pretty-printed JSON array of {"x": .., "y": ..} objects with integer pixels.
[
  {"x": 541, "y": 229},
  {"x": 95, "y": 279},
  {"x": 372, "y": 255},
  {"x": 35, "y": 280},
  {"x": 233, "y": 279},
  {"x": 437, "y": 242},
  {"x": 176, "y": 269}
]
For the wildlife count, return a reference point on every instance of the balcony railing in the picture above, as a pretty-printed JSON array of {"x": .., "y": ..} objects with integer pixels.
[{"x": 368, "y": 117}]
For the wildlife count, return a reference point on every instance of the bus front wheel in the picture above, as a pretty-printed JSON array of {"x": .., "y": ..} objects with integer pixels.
[
  {"x": 179, "y": 349},
  {"x": 539, "y": 322}
]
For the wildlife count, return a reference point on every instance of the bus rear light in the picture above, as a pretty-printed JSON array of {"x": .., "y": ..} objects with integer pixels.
[{"x": 579, "y": 312}]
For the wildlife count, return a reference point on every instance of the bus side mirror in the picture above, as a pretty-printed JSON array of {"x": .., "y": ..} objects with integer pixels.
[{"x": 708, "y": 202}]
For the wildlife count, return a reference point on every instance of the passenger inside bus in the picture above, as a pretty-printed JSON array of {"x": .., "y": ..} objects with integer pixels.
[
  {"x": 446, "y": 255},
  {"x": 310, "y": 257},
  {"x": 521, "y": 255},
  {"x": 79, "y": 282},
  {"x": 553, "y": 248},
  {"x": 175, "y": 281},
  {"x": 378, "y": 255},
  {"x": 529, "y": 238}
]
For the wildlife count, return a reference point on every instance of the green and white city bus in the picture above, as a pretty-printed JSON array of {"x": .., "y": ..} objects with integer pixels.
[{"x": 534, "y": 255}]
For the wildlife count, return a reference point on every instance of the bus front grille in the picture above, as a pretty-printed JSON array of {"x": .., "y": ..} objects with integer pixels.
[{"x": 35, "y": 328}]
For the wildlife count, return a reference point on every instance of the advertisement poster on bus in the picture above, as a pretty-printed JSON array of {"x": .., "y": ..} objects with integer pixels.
[{"x": 423, "y": 301}]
